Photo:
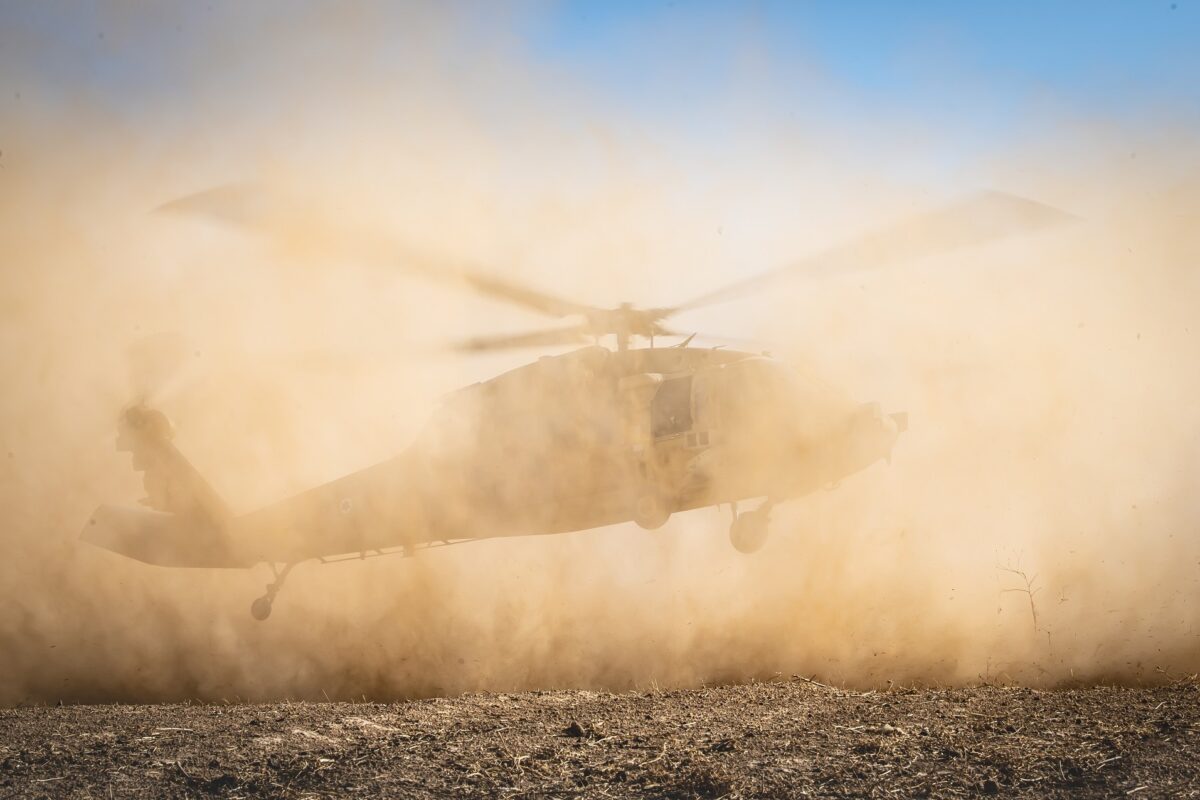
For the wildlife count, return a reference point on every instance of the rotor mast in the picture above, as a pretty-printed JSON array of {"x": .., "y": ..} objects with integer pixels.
[{"x": 621, "y": 328}]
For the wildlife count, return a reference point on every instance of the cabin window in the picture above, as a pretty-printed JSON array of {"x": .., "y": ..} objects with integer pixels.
[{"x": 671, "y": 409}]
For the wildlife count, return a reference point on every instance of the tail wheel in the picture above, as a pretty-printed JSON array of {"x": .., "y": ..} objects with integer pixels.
[
  {"x": 748, "y": 533},
  {"x": 260, "y": 609},
  {"x": 651, "y": 511}
]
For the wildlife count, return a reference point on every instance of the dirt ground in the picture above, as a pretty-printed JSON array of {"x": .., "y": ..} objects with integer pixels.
[{"x": 791, "y": 738}]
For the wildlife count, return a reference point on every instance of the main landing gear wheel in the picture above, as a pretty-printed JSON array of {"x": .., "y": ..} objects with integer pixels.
[
  {"x": 748, "y": 531},
  {"x": 260, "y": 609},
  {"x": 650, "y": 511}
]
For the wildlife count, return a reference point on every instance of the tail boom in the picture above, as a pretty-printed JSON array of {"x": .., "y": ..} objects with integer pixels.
[{"x": 163, "y": 539}]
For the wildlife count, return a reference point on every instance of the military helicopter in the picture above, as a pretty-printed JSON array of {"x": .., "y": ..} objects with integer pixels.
[{"x": 590, "y": 438}]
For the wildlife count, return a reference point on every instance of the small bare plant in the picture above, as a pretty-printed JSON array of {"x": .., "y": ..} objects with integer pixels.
[{"x": 1029, "y": 587}]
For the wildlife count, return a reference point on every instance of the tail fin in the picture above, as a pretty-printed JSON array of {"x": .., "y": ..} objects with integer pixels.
[
  {"x": 172, "y": 484},
  {"x": 189, "y": 524}
]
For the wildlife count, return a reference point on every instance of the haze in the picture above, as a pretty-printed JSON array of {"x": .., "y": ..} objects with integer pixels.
[{"x": 1051, "y": 380}]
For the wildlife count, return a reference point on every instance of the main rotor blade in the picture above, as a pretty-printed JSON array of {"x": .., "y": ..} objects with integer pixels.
[
  {"x": 239, "y": 204},
  {"x": 247, "y": 206},
  {"x": 977, "y": 219},
  {"x": 544, "y": 338},
  {"x": 491, "y": 286}
]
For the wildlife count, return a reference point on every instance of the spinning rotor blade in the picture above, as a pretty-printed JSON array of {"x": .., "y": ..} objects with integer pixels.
[
  {"x": 979, "y": 218},
  {"x": 490, "y": 286},
  {"x": 545, "y": 338},
  {"x": 247, "y": 206},
  {"x": 975, "y": 220},
  {"x": 234, "y": 204}
]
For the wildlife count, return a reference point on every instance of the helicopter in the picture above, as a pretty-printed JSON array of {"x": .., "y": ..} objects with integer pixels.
[{"x": 597, "y": 436}]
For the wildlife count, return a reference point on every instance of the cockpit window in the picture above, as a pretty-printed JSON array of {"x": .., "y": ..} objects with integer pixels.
[{"x": 671, "y": 409}]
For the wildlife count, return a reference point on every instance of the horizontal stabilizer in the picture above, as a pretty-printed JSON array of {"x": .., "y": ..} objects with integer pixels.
[{"x": 167, "y": 540}]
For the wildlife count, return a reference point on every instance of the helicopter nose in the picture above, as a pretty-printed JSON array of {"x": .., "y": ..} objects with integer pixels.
[
  {"x": 896, "y": 423},
  {"x": 881, "y": 431}
]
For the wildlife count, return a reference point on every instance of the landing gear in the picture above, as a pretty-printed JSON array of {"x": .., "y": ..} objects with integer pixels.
[
  {"x": 260, "y": 609},
  {"x": 748, "y": 531},
  {"x": 651, "y": 510}
]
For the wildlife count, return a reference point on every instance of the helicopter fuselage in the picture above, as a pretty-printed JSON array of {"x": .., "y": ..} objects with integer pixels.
[
  {"x": 584, "y": 440},
  {"x": 567, "y": 443}
]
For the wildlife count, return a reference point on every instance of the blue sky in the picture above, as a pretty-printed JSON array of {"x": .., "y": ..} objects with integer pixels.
[
  {"x": 666, "y": 57},
  {"x": 1100, "y": 51},
  {"x": 983, "y": 68}
]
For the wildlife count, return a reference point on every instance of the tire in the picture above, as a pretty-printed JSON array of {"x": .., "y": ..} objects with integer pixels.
[
  {"x": 650, "y": 511},
  {"x": 260, "y": 609},
  {"x": 748, "y": 533}
]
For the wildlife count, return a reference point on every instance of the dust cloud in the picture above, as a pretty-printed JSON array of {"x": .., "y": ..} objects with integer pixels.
[{"x": 1038, "y": 523}]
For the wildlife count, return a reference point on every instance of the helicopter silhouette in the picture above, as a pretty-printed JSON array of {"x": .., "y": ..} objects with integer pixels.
[{"x": 590, "y": 438}]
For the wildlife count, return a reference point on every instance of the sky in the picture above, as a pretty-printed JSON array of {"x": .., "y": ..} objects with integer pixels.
[
  {"x": 974, "y": 63},
  {"x": 941, "y": 87},
  {"x": 1106, "y": 53}
]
